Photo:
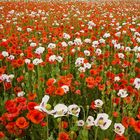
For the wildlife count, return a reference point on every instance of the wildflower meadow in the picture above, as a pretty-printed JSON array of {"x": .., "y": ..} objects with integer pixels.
[{"x": 70, "y": 70}]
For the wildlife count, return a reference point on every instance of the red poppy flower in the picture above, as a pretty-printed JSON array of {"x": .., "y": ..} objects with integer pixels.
[
  {"x": 59, "y": 91},
  {"x": 50, "y": 82},
  {"x": 2, "y": 135},
  {"x": 50, "y": 90},
  {"x": 137, "y": 126},
  {"x": 63, "y": 124},
  {"x": 31, "y": 105},
  {"x": 120, "y": 137},
  {"x": 22, "y": 123},
  {"x": 32, "y": 96},
  {"x": 125, "y": 121},
  {"x": 30, "y": 66},
  {"x": 92, "y": 105},
  {"x": 35, "y": 116},
  {"x": 63, "y": 136},
  {"x": 9, "y": 104}
]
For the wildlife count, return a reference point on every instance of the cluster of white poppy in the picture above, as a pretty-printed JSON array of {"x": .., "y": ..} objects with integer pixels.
[
  {"x": 95, "y": 44},
  {"x": 106, "y": 35},
  {"x": 7, "y": 55},
  {"x": 51, "y": 45},
  {"x": 37, "y": 61},
  {"x": 91, "y": 24},
  {"x": 54, "y": 58},
  {"x": 66, "y": 36},
  {"x": 7, "y": 78},
  {"x": 78, "y": 41},
  {"x": 102, "y": 120},
  {"x": 118, "y": 46},
  {"x": 59, "y": 110},
  {"x": 81, "y": 64},
  {"x": 39, "y": 50}
]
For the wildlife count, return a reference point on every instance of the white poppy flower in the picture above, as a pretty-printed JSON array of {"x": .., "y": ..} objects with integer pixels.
[
  {"x": 118, "y": 34},
  {"x": 52, "y": 58},
  {"x": 138, "y": 39},
  {"x": 90, "y": 121},
  {"x": 137, "y": 83},
  {"x": 102, "y": 121},
  {"x": 78, "y": 41},
  {"x": 11, "y": 12},
  {"x": 117, "y": 46},
  {"x": 64, "y": 44},
  {"x": 20, "y": 94},
  {"x": 102, "y": 41},
  {"x": 122, "y": 93},
  {"x": 39, "y": 50},
  {"x": 106, "y": 35},
  {"x": 7, "y": 78},
  {"x": 117, "y": 78},
  {"x": 114, "y": 42},
  {"x": 32, "y": 44},
  {"x": 43, "y": 105},
  {"x": 59, "y": 59},
  {"x": 73, "y": 50},
  {"x": 11, "y": 57},
  {"x": 119, "y": 128},
  {"x": 135, "y": 49},
  {"x": 19, "y": 29},
  {"x": 81, "y": 69},
  {"x": 80, "y": 123},
  {"x": 37, "y": 61},
  {"x": 87, "y": 53},
  {"x": 51, "y": 45},
  {"x": 3, "y": 77},
  {"x": 98, "y": 103},
  {"x": 70, "y": 43},
  {"x": 121, "y": 55},
  {"x": 87, "y": 65},
  {"x": 127, "y": 49},
  {"x": 98, "y": 51},
  {"x": 66, "y": 36},
  {"x": 91, "y": 23},
  {"x": 66, "y": 88},
  {"x": 59, "y": 110},
  {"x": 87, "y": 40},
  {"x": 79, "y": 61},
  {"x": 5, "y": 53},
  {"x": 27, "y": 61},
  {"x": 95, "y": 44},
  {"x": 90, "y": 27},
  {"x": 29, "y": 29},
  {"x": 74, "y": 110},
  {"x": 10, "y": 77}
]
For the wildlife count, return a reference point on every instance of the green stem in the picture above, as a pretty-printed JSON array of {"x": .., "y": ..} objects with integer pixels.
[
  {"x": 96, "y": 133},
  {"x": 47, "y": 127},
  {"x": 84, "y": 118}
]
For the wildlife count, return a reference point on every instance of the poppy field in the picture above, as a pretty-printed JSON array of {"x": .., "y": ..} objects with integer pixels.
[{"x": 70, "y": 70}]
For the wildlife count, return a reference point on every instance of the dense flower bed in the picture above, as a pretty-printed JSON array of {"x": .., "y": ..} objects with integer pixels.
[{"x": 70, "y": 71}]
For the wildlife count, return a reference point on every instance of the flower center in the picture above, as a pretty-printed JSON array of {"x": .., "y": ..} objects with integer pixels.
[
  {"x": 118, "y": 129},
  {"x": 48, "y": 106},
  {"x": 60, "y": 112},
  {"x": 101, "y": 121},
  {"x": 74, "y": 110}
]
